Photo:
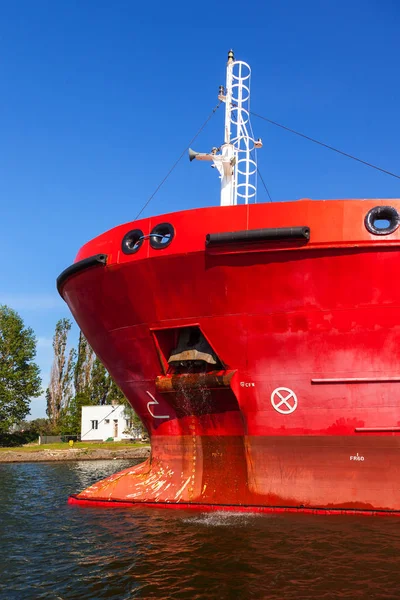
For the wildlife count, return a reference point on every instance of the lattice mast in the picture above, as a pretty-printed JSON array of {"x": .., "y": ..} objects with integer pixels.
[{"x": 236, "y": 158}]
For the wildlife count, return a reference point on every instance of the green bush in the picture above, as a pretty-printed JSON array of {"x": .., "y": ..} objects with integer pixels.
[{"x": 19, "y": 438}]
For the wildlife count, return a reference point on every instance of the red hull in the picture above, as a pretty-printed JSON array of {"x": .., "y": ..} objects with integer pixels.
[{"x": 319, "y": 319}]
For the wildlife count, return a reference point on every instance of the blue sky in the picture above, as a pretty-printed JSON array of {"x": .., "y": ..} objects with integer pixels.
[{"x": 99, "y": 98}]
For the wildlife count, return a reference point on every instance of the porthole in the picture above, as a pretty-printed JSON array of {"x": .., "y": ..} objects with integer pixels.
[
  {"x": 132, "y": 241},
  {"x": 382, "y": 220},
  {"x": 161, "y": 236}
]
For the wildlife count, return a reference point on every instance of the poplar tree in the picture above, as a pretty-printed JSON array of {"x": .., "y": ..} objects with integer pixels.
[
  {"x": 60, "y": 390},
  {"x": 99, "y": 383},
  {"x": 19, "y": 375},
  {"x": 76, "y": 381},
  {"x": 103, "y": 388},
  {"x": 83, "y": 367},
  {"x": 114, "y": 393},
  {"x": 71, "y": 418}
]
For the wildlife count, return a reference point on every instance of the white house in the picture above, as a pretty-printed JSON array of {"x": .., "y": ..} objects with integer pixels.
[{"x": 105, "y": 422}]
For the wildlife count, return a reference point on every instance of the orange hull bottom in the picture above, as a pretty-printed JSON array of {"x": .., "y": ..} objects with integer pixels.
[{"x": 273, "y": 473}]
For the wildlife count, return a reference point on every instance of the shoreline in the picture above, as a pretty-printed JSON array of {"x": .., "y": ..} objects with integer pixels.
[{"x": 70, "y": 454}]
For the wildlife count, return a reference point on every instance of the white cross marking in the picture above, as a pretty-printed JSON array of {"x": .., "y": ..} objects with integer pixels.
[{"x": 289, "y": 400}]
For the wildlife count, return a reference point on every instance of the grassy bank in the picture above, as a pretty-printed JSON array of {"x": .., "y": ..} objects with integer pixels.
[
  {"x": 79, "y": 451},
  {"x": 77, "y": 445}
]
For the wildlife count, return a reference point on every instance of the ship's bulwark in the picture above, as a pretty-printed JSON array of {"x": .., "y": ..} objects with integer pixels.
[{"x": 308, "y": 336}]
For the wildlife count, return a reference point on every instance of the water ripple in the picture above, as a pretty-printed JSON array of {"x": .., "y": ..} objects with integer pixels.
[{"x": 52, "y": 551}]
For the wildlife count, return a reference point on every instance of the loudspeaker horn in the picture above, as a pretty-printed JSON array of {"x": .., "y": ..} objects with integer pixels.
[{"x": 192, "y": 154}]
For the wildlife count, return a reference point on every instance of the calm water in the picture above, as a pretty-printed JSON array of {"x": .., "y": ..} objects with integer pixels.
[{"x": 51, "y": 550}]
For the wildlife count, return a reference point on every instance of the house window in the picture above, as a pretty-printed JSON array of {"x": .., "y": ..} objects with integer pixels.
[
  {"x": 95, "y": 424},
  {"x": 107, "y": 421},
  {"x": 128, "y": 423}
]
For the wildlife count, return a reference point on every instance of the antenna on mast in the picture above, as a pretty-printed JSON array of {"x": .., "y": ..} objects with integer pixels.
[{"x": 235, "y": 160}]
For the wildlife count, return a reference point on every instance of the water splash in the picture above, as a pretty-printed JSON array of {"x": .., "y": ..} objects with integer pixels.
[{"x": 222, "y": 518}]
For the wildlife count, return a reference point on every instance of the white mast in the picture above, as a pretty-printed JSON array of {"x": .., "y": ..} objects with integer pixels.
[{"x": 236, "y": 162}]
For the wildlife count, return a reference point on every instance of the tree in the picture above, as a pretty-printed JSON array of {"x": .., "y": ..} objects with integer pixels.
[
  {"x": 93, "y": 385},
  {"x": 38, "y": 426},
  {"x": 60, "y": 390},
  {"x": 70, "y": 420},
  {"x": 19, "y": 375},
  {"x": 136, "y": 428},
  {"x": 76, "y": 381},
  {"x": 115, "y": 394},
  {"x": 99, "y": 383},
  {"x": 103, "y": 389},
  {"x": 83, "y": 367}
]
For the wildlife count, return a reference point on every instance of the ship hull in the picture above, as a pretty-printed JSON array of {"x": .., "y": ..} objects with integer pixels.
[
  {"x": 282, "y": 472},
  {"x": 302, "y": 413}
]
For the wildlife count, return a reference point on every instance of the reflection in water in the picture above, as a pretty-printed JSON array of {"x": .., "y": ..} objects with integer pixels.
[{"x": 51, "y": 550}]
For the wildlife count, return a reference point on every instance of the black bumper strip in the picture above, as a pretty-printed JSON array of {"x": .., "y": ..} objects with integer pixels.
[
  {"x": 82, "y": 265},
  {"x": 259, "y": 235}
]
